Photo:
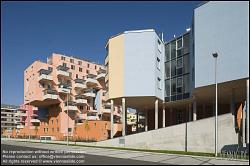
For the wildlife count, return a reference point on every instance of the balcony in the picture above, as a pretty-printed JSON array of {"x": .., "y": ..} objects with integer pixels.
[
  {"x": 62, "y": 71},
  {"x": 91, "y": 80},
  {"x": 101, "y": 74},
  {"x": 92, "y": 115},
  {"x": 80, "y": 100},
  {"x": 80, "y": 84},
  {"x": 89, "y": 93},
  {"x": 71, "y": 106},
  {"x": 64, "y": 88},
  {"x": 20, "y": 126},
  {"x": 107, "y": 111},
  {"x": 35, "y": 121},
  {"x": 50, "y": 94},
  {"x": 44, "y": 75}
]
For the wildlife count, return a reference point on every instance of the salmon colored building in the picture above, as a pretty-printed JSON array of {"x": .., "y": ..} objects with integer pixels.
[{"x": 67, "y": 92}]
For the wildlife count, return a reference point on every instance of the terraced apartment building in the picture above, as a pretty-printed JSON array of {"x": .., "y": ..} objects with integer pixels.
[{"x": 67, "y": 92}]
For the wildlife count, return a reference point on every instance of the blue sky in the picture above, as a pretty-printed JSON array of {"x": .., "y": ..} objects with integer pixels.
[{"x": 34, "y": 30}]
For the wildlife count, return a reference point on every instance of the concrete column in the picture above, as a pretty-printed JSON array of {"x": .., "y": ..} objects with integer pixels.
[
  {"x": 123, "y": 117},
  {"x": 146, "y": 120},
  {"x": 190, "y": 112},
  {"x": 194, "y": 110},
  {"x": 156, "y": 114},
  {"x": 137, "y": 120},
  {"x": 232, "y": 103},
  {"x": 163, "y": 116},
  {"x": 112, "y": 119},
  {"x": 247, "y": 113}
]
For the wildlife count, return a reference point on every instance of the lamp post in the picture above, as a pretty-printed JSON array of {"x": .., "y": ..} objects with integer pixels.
[{"x": 215, "y": 55}]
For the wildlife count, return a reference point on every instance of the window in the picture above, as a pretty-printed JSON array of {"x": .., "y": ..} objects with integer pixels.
[
  {"x": 64, "y": 64},
  {"x": 186, "y": 63},
  {"x": 95, "y": 67},
  {"x": 167, "y": 68},
  {"x": 159, "y": 46},
  {"x": 79, "y": 63},
  {"x": 173, "y": 67},
  {"x": 167, "y": 84},
  {"x": 173, "y": 86},
  {"x": 186, "y": 44},
  {"x": 63, "y": 58},
  {"x": 179, "y": 82},
  {"x": 179, "y": 63},
  {"x": 81, "y": 107},
  {"x": 50, "y": 68},
  {"x": 173, "y": 49},
  {"x": 80, "y": 69},
  {"x": 179, "y": 43},
  {"x": 72, "y": 67},
  {"x": 72, "y": 60},
  {"x": 87, "y": 71},
  {"x": 167, "y": 52},
  {"x": 88, "y": 65},
  {"x": 158, "y": 64},
  {"x": 159, "y": 83},
  {"x": 76, "y": 75}
]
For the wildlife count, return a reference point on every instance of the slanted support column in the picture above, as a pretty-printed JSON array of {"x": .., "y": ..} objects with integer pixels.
[
  {"x": 247, "y": 113},
  {"x": 194, "y": 110},
  {"x": 190, "y": 112},
  {"x": 163, "y": 115},
  {"x": 123, "y": 117},
  {"x": 137, "y": 120},
  {"x": 112, "y": 119},
  {"x": 146, "y": 120},
  {"x": 156, "y": 114}
]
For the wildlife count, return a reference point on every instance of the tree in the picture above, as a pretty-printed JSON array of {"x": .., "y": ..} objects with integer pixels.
[{"x": 86, "y": 127}]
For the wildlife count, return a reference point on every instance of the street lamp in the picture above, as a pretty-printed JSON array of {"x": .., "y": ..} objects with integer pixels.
[{"x": 215, "y": 55}]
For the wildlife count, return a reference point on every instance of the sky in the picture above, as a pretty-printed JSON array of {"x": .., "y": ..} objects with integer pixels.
[{"x": 34, "y": 30}]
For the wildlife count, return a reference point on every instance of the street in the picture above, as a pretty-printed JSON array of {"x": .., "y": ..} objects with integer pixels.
[{"x": 105, "y": 156}]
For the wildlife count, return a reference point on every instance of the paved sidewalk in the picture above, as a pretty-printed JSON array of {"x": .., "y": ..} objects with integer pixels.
[{"x": 135, "y": 155}]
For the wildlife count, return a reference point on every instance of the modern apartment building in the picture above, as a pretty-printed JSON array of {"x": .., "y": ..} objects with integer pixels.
[
  {"x": 9, "y": 118},
  {"x": 173, "y": 82},
  {"x": 67, "y": 91}
]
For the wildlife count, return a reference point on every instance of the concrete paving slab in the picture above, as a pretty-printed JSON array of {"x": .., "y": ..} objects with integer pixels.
[
  {"x": 183, "y": 161},
  {"x": 154, "y": 157},
  {"x": 128, "y": 155}
]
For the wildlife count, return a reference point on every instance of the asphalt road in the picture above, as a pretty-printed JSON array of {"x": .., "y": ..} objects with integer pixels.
[{"x": 89, "y": 159}]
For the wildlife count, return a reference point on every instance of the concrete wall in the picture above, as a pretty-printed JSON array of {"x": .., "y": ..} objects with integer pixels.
[
  {"x": 197, "y": 136},
  {"x": 221, "y": 27}
]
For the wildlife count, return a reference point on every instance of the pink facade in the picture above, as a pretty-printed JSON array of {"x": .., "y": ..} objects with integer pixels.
[
  {"x": 49, "y": 85},
  {"x": 27, "y": 113}
]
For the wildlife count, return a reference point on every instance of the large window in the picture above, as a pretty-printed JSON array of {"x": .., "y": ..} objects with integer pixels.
[
  {"x": 173, "y": 86},
  {"x": 173, "y": 67},
  {"x": 186, "y": 43},
  {"x": 173, "y": 49},
  {"x": 167, "y": 87},
  {"x": 167, "y": 68},
  {"x": 167, "y": 52}
]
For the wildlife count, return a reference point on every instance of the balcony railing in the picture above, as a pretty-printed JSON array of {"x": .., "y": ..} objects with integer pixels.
[
  {"x": 44, "y": 75},
  {"x": 20, "y": 126},
  {"x": 89, "y": 93},
  {"x": 80, "y": 99},
  {"x": 62, "y": 71},
  {"x": 71, "y": 106},
  {"x": 49, "y": 94},
  {"x": 80, "y": 83},
  {"x": 35, "y": 121},
  {"x": 101, "y": 74},
  {"x": 64, "y": 88}
]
